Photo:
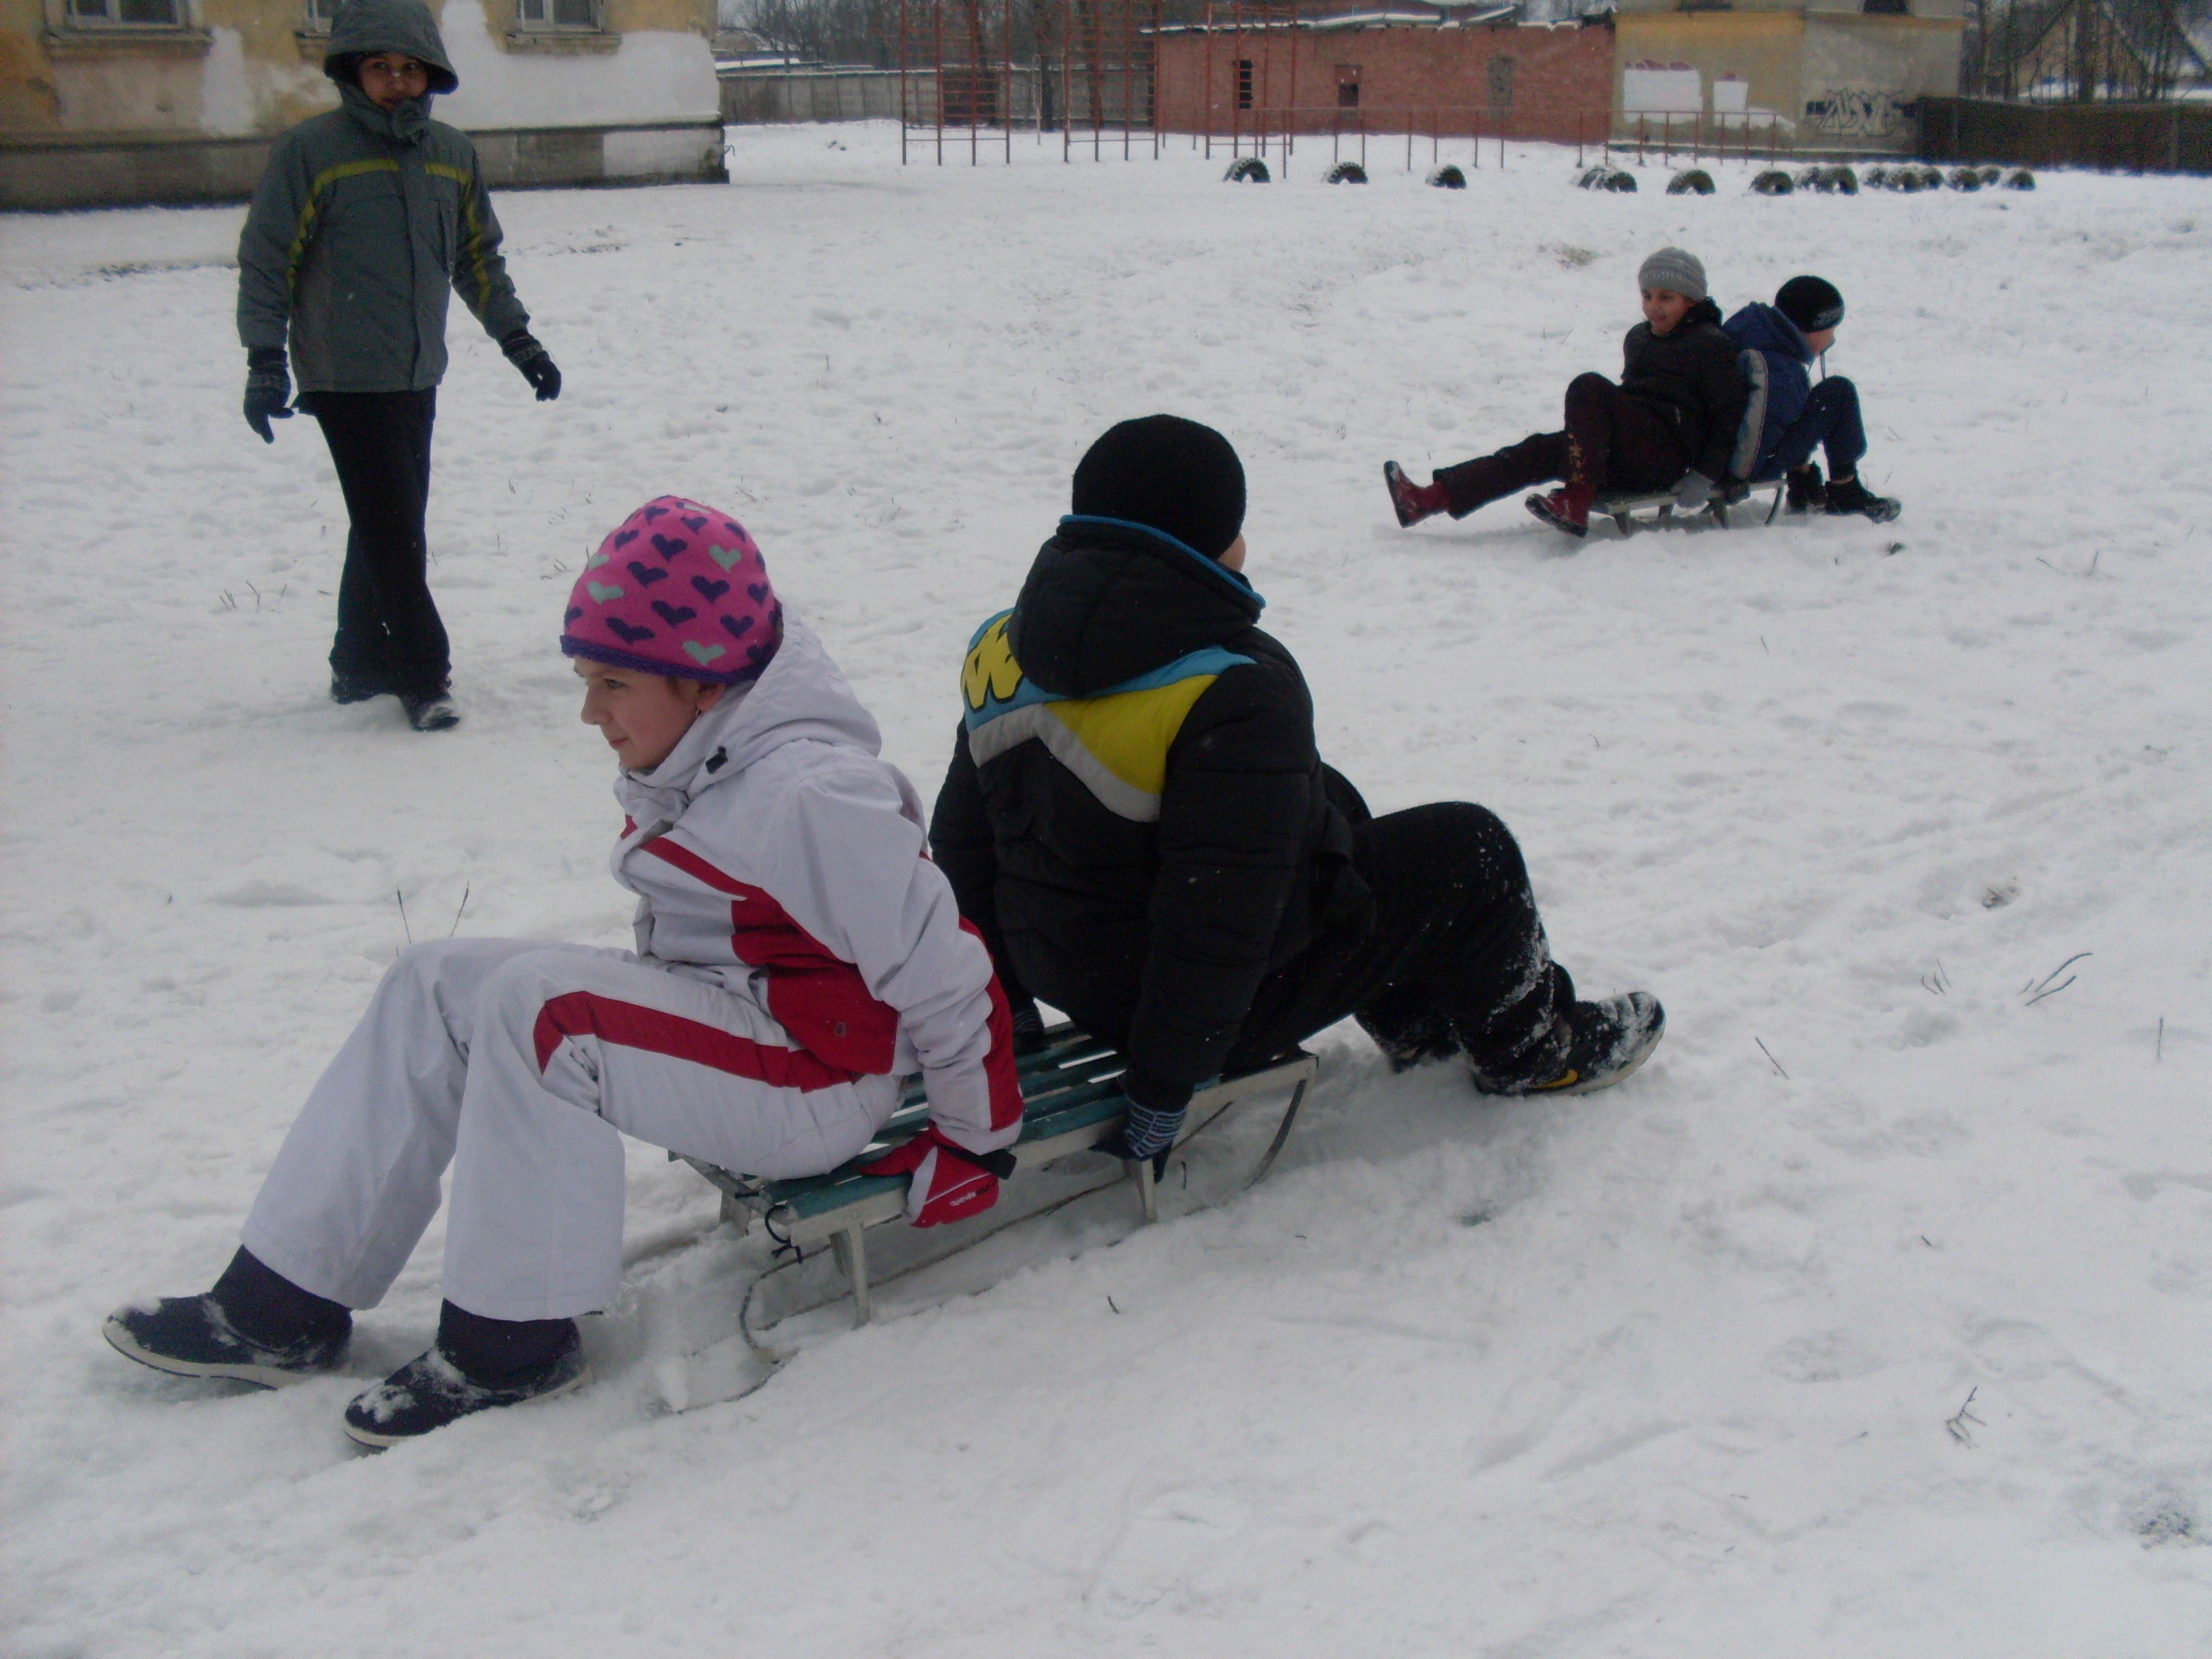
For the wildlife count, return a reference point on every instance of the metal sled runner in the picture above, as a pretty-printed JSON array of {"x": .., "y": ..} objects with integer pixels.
[
  {"x": 1072, "y": 1099},
  {"x": 1621, "y": 505}
]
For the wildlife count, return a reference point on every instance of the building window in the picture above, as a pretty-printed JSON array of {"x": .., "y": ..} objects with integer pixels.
[
  {"x": 1887, "y": 8},
  {"x": 1348, "y": 85},
  {"x": 128, "y": 13},
  {"x": 1243, "y": 83},
  {"x": 556, "y": 13},
  {"x": 1501, "y": 83},
  {"x": 319, "y": 16}
]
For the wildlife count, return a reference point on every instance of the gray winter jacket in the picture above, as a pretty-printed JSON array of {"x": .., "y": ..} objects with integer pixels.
[{"x": 363, "y": 223}]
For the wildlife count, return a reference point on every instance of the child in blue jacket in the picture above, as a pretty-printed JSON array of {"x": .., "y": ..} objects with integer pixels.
[{"x": 1788, "y": 417}]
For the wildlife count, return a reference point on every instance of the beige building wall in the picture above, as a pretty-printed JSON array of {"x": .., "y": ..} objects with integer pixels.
[
  {"x": 248, "y": 68},
  {"x": 1821, "y": 78}
]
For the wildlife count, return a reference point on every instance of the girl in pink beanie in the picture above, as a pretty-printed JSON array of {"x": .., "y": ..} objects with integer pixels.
[{"x": 797, "y": 957}]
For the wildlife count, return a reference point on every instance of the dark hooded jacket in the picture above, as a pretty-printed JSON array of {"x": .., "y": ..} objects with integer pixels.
[
  {"x": 1776, "y": 361},
  {"x": 365, "y": 221},
  {"x": 1690, "y": 378},
  {"x": 1136, "y": 817}
]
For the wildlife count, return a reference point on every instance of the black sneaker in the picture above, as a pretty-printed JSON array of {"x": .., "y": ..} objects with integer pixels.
[
  {"x": 1610, "y": 1040},
  {"x": 430, "y": 711},
  {"x": 189, "y": 1336},
  {"x": 1801, "y": 486},
  {"x": 1845, "y": 495},
  {"x": 356, "y": 687},
  {"x": 430, "y": 1391}
]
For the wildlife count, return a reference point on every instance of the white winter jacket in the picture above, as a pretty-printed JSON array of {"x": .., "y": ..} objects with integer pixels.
[{"x": 775, "y": 853}]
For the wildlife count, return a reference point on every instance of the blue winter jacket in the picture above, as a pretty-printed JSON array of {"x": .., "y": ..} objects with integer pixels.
[{"x": 1776, "y": 360}]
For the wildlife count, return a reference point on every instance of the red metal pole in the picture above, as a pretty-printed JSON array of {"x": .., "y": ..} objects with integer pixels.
[
  {"x": 937, "y": 51},
  {"x": 903, "y": 103}
]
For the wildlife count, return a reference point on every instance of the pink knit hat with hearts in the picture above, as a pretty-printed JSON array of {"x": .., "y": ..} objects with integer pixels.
[{"x": 679, "y": 589}]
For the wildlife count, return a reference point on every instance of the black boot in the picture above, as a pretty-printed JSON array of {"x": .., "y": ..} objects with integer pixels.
[
  {"x": 1801, "y": 488},
  {"x": 1605, "y": 1041},
  {"x": 1845, "y": 495},
  {"x": 430, "y": 711},
  {"x": 476, "y": 1364},
  {"x": 255, "y": 1325}
]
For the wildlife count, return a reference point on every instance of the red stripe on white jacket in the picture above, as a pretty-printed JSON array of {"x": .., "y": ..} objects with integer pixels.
[{"x": 815, "y": 994}]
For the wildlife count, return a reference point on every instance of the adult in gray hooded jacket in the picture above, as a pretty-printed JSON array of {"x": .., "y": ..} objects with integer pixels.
[{"x": 364, "y": 221}]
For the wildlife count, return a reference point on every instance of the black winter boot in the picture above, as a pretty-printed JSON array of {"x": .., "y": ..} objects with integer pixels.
[
  {"x": 255, "y": 1325},
  {"x": 1606, "y": 1041},
  {"x": 1801, "y": 488},
  {"x": 1845, "y": 495},
  {"x": 430, "y": 711},
  {"x": 477, "y": 1364}
]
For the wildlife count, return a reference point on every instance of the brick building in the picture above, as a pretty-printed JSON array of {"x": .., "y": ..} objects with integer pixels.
[{"x": 1410, "y": 67}]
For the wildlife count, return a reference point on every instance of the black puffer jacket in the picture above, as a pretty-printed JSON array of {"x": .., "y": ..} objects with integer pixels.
[
  {"x": 1135, "y": 817},
  {"x": 1691, "y": 376}
]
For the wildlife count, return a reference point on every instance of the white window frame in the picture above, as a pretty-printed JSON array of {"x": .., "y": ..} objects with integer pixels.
[
  {"x": 108, "y": 16},
  {"x": 545, "y": 24},
  {"x": 315, "y": 15}
]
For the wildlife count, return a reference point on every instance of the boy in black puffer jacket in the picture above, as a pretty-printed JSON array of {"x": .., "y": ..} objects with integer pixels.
[
  {"x": 1137, "y": 822},
  {"x": 1670, "y": 424}
]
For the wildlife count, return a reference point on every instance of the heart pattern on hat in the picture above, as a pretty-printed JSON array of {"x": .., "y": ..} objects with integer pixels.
[{"x": 623, "y": 623}]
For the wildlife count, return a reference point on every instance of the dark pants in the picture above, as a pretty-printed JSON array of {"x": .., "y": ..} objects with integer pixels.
[
  {"x": 388, "y": 628},
  {"x": 1457, "y": 958},
  {"x": 1830, "y": 417},
  {"x": 1612, "y": 442}
]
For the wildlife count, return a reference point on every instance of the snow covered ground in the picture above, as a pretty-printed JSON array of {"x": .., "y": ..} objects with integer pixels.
[{"x": 1674, "y": 1369}]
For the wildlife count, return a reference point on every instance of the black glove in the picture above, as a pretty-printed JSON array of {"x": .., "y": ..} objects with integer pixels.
[
  {"x": 268, "y": 390},
  {"x": 536, "y": 363},
  {"x": 1731, "y": 490}
]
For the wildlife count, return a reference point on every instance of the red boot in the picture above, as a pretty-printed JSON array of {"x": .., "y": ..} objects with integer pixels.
[
  {"x": 1412, "y": 501},
  {"x": 1567, "y": 507}
]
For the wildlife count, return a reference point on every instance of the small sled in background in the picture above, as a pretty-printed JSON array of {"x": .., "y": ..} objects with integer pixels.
[
  {"x": 1621, "y": 505},
  {"x": 1072, "y": 1101}
]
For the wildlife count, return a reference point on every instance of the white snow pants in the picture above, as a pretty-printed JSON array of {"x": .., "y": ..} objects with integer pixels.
[{"x": 517, "y": 1062}]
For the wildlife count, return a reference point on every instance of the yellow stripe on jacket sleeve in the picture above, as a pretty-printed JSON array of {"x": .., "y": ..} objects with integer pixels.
[
  {"x": 324, "y": 181},
  {"x": 445, "y": 170}
]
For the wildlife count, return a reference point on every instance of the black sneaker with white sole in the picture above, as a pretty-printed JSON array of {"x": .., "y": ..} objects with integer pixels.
[
  {"x": 430, "y": 1391},
  {"x": 430, "y": 711},
  {"x": 1846, "y": 496},
  {"x": 1607, "y": 1041},
  {"x": 191, "y": 1336}
]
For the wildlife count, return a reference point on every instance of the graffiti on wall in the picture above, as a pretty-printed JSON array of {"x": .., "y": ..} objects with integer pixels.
[{"x": 1856, "y": 112}]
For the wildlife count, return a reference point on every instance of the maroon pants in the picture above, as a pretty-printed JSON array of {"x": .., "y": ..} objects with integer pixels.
[{"x": 1612, "y": 442}]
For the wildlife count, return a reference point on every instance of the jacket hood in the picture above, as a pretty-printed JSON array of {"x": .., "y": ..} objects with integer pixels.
[
  {"x": 364, "y": 27},
  {"x": 1106, "y": 601},
  {"x": 1704, "y": 312},
  {"x": 801, "y": 696},
  {"x": 1762, "y": 328}
]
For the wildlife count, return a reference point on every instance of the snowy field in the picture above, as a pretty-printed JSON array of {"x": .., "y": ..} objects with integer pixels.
[{"x": 1674, "y": 1369}]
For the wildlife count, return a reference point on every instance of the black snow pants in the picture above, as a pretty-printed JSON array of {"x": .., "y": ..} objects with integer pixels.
[
  {"x": 1612, "y": 442},
  {"x": 389, "y": 631},
  {"x": 1456, "y": 959}
]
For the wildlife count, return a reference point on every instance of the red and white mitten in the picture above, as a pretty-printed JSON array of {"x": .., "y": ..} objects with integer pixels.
[{"x": 950, "y": 1183}]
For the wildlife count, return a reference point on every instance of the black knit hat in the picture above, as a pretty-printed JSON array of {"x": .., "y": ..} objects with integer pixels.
[
  {"x": 1811, "y": 302},
  {"x": 1169, "y": 475}
]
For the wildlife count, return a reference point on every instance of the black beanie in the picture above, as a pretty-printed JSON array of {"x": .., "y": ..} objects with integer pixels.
[
  {"x": 1811, "y": 302},
  {"x": 1168, "y": 474}
]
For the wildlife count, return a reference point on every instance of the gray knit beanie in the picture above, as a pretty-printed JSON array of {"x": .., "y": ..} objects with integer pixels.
[{"x": 1675, "y": 270}]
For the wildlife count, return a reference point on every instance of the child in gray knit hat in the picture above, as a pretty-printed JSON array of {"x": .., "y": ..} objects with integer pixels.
[{"x": 1670, "y": 424}]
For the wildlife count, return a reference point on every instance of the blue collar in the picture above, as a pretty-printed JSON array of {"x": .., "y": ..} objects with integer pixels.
[{"x": 1214, "y": 567}]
